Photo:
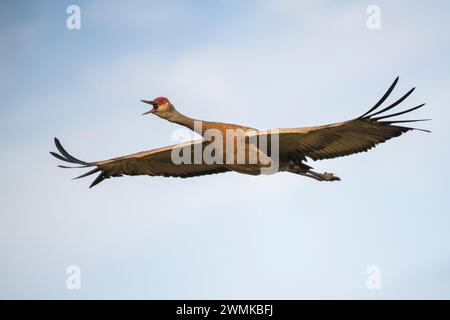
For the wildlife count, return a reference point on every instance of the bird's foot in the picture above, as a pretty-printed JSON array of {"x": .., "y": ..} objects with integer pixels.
[{"x": 328, "y": 176}]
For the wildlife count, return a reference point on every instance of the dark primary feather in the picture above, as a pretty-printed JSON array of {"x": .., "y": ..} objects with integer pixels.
[
  {"x": 88, "y": 173},
  {"x": 66, "y": 154},
  {"x": 396, "y": 103},
  {"x": 398, "y": 113},
  {"x": 383, "y": 98},
  {"x": 97, "y": 180},
  {"x": 59, "y": 157}
]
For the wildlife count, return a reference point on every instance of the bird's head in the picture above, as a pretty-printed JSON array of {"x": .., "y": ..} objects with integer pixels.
[{"x": 161, "y": 107}]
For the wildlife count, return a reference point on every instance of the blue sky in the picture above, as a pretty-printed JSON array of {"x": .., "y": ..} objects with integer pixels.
[{"x": 266, "y": 64}]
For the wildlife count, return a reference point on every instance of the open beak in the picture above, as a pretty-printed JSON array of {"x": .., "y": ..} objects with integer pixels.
[{"x": 149, "y": 102}]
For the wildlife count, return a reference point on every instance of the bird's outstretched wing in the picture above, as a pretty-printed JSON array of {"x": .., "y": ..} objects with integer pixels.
[
  {"x": 157, "y": 162},
  {"x": 348, "y": 137}
]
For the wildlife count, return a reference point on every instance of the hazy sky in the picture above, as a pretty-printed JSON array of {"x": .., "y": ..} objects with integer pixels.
[{"x": 265, "y": 64}]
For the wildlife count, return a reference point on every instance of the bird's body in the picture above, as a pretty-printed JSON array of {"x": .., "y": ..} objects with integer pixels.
[{"x": 230, "y": 147}]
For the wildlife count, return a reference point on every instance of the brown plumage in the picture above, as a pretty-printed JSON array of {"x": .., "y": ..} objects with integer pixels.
[{"x": 295, "y": 145}]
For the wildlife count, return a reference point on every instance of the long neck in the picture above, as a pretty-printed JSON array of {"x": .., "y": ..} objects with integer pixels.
[{"x": 193, "y": 124}]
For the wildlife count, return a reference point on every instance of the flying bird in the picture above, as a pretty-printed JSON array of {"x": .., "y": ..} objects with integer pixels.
[{"x": 294, "y": 145}]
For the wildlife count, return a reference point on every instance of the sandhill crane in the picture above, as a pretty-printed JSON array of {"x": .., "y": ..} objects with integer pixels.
[{"x": 295, "y": 145}]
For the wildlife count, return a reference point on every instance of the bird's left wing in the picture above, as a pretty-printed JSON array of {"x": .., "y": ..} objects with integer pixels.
[
  {"x": 348, "y": 137},
  {"x": 157, "y": 162}
]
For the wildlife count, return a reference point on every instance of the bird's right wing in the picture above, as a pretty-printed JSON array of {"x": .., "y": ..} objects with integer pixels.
[{"x": 157, "y": 162}]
